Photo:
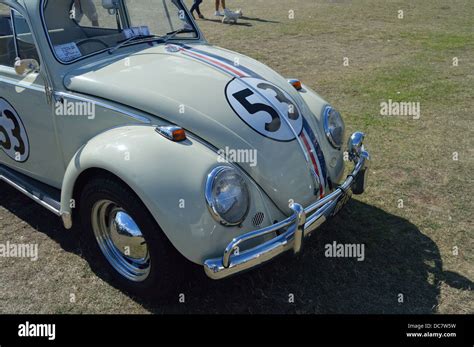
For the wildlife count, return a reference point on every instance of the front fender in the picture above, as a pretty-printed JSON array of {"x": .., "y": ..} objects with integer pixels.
[
  {"x": 169, "y": 177},
  {"x": 334, "y": 157}
]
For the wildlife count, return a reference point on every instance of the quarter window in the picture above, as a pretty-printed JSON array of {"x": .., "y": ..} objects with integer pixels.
[{"x": 22, "y": 46}]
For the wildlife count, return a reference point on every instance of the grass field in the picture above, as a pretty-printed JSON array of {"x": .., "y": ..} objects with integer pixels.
[{"x": 416, "y": 219}]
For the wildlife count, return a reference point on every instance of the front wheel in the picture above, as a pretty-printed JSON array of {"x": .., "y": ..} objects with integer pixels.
[{"x": 120, "y": 233}]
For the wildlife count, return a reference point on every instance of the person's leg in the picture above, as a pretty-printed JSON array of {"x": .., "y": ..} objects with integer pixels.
[
  {"x": 198, "y": 10},
  {"x": 194, "y": 7},
  {"x": 223, "y": 4},
  {"x": 218, "y": 13},
  {"x": 89, "y": 9}
]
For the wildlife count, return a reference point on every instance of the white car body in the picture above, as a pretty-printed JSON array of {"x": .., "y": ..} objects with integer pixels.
[{"x": 295, "y": 182}]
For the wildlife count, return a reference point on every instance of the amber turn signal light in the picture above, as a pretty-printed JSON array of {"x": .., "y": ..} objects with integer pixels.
[
  {"x": 172, "y": 133},
  {"x": 296, "y": 84}
]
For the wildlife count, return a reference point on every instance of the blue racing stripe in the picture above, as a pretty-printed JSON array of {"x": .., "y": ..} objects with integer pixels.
[
  {"x": 319, "y": 152},
  {"x": 250, "y": 73}
]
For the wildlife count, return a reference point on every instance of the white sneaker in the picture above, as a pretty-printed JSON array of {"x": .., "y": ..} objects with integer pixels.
[{"x": 218, "y": 14}]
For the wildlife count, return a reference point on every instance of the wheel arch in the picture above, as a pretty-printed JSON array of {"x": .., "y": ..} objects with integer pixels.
[
  {"x": 104, "y": 155},
  {"x": 161, "y": 173},
  {"x": 86, "y": 176}
]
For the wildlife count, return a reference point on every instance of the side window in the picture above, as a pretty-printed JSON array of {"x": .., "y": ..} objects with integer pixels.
[
  {"x": 7, "y": 46},
  {"x": 23, "y": 47},
  {"x": 24, "y": 38}
]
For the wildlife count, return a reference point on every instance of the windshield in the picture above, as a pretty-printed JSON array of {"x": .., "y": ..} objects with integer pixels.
[{"x": 80, "y": 28}]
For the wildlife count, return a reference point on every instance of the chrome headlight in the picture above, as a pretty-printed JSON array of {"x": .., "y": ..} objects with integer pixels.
[
  {"x": 334, "y": 127},
  {"x": 227, "y": 196}
]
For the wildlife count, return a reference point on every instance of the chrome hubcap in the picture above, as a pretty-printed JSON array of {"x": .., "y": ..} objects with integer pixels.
[{"x": 121, "y": 240}]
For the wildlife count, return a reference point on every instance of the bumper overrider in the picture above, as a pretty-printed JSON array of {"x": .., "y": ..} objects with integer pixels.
[{"x": 293, "y": 230}]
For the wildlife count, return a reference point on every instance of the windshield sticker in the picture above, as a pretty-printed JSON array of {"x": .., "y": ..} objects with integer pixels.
[
  {"x": 136, "y": 31},
  {"x": 68, "y": 51}
]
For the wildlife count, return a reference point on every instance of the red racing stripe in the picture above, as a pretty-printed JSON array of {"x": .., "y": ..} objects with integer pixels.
[
  {"x": 313, "y": 159},
  {"x": 236, "y": 72},
  {"x": 215, "y": 62}
]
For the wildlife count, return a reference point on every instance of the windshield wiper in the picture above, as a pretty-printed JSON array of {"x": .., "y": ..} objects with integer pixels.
[
  {"x": 163, "y": 39},
  {"x": 171, "y": 35},
  {"x": 133, "y": 38}
]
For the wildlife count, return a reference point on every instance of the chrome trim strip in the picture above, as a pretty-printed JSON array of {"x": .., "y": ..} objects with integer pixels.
[
  {"x": 21, "y": 84},
  {"x": 104, "y": 105},
  {"x": 295, "y": 228},
  {"x": 31, "y": 196}
]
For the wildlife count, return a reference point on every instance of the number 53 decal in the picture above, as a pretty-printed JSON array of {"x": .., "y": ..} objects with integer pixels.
[
  {"x": 13, "y": 137},
  {"x": 262, "y": 106}
]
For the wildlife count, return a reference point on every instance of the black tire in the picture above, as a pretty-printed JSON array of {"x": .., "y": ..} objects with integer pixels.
[{"x": 166, "y": 262}]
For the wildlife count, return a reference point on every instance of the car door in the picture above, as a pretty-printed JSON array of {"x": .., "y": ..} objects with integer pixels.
[{"x": 28, "y": 141}]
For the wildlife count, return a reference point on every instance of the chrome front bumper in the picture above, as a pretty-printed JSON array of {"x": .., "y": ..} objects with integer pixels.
[{"x": 295, "y": 228}]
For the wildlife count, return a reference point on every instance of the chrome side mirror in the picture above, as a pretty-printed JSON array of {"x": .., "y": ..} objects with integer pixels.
[{"x": 25, "y": 66}]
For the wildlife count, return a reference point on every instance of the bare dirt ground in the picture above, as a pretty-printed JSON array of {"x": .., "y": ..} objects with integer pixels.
[{"x": 415, "y": 220}]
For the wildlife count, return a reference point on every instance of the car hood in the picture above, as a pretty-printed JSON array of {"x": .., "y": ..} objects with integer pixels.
[{"x": 191, "y": 86}]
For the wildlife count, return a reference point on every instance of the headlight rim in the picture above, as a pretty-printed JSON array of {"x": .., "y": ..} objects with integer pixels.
[
  {"x": 327, "y": 131},
  {"x": 211, "y": 179}
]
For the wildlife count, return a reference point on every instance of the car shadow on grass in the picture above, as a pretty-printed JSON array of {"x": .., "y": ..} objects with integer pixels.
[
  {"x": 401, "y": 272},
  {"x": 37, "y": 217}
]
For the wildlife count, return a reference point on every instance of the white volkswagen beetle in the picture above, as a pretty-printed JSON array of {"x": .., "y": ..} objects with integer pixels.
[{"x": 118, "y": 115}]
